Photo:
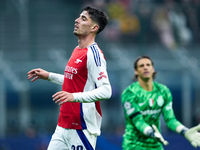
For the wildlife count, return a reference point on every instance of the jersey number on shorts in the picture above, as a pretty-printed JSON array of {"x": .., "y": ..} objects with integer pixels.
[{"x": 79, "y": 147}]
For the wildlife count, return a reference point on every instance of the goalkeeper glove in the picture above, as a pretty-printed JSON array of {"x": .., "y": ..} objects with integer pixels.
[
  {"x": 156, "y": 135},
  {"x": 193, "y": 136}
]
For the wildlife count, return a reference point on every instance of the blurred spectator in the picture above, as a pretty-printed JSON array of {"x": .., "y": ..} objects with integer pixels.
[
  {"x": 163, "y": 26},
  {"x": 178, "y": 20},
  {"x": 171, "y": 24},
  {"x": 192, "y": 13},
  {"x": 128, "y": 23},
  {"x": 112, "y": 32},
  {"x": 144, "y": 13}
]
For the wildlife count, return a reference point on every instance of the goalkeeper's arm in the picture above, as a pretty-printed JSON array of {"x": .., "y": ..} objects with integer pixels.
[
  {"x": 154, "y": 133},
  {"x": 192, "y": 134}
]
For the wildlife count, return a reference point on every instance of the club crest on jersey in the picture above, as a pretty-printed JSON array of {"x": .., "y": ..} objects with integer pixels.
[
  {"x": 102, "y": 75},
  {"x": 160, "y": 101},
  {"x": 77, "y": 61},
  {"x": 151, "y": 102}
]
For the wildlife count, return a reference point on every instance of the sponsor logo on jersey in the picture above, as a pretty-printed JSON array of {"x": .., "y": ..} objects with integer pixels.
[
  {"x": 77, "y": 61},
  {"x": 69, "y": 76},
  {"x": 151, "y": 102},
  {"x": 69, "y": 71},
  {"x": 102, "y": 75},
  {"x": 151, "y": 112}
]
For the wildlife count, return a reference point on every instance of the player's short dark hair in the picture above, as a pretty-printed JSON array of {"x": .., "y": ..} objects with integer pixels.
[
  {"x": 136, "y": 62},
  {"x": 98, "y": 16}
]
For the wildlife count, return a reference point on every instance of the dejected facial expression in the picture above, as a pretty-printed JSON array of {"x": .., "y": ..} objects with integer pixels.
[
  {"x": 145, "y": 69},
  {"x": 84, "y": 25}
]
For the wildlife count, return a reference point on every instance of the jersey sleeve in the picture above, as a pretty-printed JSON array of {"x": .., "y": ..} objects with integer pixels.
[
  {"x": 168, "y": 113},
  {"x": 97, "y": 72},
  {"x": 132, "y": 111},
  {"x": 56, "y": 78}
]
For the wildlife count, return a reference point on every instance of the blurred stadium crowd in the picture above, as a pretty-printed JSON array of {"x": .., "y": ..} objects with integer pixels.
[
  {"x": 39, "y": 33},
  {"x": 174, "y": 22}
]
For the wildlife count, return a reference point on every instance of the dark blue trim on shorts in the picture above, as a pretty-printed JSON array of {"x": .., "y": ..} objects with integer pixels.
[
  {"x": 85, "y": 141},
  {"x": 83, "y": 124}
]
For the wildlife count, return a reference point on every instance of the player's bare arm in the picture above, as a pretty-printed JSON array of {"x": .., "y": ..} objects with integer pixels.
[
  {"x": 38, "y": 73},
  {"x": 63, "y": 97}
]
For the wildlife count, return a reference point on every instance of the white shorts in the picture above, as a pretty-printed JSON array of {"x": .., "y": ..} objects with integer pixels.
[{"x": 71, "y": 139}]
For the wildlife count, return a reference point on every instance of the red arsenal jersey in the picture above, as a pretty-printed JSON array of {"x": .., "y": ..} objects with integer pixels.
[{"x": 84, "y": 72}]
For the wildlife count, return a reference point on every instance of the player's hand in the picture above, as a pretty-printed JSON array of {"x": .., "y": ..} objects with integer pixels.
[
  {"x": 38, "y": 73},
  {"x": 193, "y": 136},
  {"x": 63, "y": 97},
  {"x": 158, "y": 136}
]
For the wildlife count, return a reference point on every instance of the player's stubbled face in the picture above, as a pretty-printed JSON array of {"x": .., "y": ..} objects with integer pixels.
[
  {"x": 145, "y": 68},
  {"x": 83, "y": 24}
]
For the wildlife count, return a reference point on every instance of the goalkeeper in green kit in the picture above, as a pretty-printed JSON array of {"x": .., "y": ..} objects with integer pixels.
[{"x": 144, "y": 101}]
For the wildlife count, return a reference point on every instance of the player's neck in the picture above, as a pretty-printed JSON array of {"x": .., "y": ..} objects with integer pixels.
[
  {"x": 86, "y": 41},
  {"x": 146, "y": 84}
]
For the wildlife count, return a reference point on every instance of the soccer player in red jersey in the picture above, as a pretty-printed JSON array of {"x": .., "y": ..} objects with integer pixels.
[{"x": 84, "y": 83}]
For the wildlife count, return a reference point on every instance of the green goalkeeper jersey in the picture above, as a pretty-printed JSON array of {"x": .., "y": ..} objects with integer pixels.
[{"x": 142, "y": 109}]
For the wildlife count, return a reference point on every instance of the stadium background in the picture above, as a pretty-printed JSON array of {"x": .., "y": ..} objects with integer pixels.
[{"x": 39, "y": 33}]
